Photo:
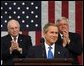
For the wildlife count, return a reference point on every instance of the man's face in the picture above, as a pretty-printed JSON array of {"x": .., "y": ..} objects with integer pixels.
[
  {"x": 63, "y": 26},
  {"x": 13, "y": 29},
  {"x": 51, "y": 35}
]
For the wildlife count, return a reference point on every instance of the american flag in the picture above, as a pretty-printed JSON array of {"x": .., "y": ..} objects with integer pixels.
[{"x": 33, "y": 15}]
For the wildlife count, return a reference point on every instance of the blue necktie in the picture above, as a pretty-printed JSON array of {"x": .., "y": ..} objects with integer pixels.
[{"x": 50, "y": 54}]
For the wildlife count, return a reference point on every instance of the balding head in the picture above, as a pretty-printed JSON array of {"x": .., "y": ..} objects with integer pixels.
[
  {"x": 13, "y": 27},
  {"x": 11, "y": 22}
]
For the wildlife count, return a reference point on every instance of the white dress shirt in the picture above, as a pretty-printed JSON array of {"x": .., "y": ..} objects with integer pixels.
[
  {"x": 47, "y": 48},
  {"x": 61, "y": 36},
  {"x": 16, "y": 38}
]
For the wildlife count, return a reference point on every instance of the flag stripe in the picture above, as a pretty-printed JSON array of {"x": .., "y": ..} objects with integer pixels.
[
  {"x": 72, "y": 16},
  {"x": 51, "y": 11},
  {"x": 38, "y": 37},
  {"x": 79, "y": 23},
  {"x": 33, "y": 37},
  {"x": 58, "y": 9},
  {"x": 3, "y": 33},
  {"x": 79, "y": 17},
  {"x": 44, "y": 13},
  {"x": 65, "y": 8}
]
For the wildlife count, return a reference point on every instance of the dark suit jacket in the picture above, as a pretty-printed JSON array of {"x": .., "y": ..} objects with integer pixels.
[
  {"x": 24, "y": 43},
  {"x": 39, "y": 52},
  {"x": 75, "y": 46}
]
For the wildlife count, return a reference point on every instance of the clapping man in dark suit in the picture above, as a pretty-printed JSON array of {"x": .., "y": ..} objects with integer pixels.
[
  {"x": 50, "y": 33},
  {"x": 71, "y": 41},
  {"x": 14, "y": 45}
]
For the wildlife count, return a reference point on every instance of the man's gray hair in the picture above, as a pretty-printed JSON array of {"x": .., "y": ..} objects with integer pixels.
[
  {"x": 14, "y": 21},
  {"x": 62, "y": 18}
]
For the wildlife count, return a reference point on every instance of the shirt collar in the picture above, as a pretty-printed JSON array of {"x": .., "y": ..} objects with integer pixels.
[
  {"x": 16, "y": 38},
  {"x": 47, "y": 46}
]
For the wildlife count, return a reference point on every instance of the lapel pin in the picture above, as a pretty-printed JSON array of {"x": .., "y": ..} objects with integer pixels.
[
  {"x": 21, "y": 40},
  {"x": 58, "y": 52}
]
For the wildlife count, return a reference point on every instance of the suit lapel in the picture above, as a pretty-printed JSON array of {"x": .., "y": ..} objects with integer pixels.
[
  {"x": 20, "y": 40},
  {"x": 9, "y": 39},
  {"x": 57, "y": 52},
  {"x": 43, "y": 51}
]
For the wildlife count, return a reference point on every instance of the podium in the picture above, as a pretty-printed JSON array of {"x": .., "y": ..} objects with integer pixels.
[{"x": 42, "y": 61}]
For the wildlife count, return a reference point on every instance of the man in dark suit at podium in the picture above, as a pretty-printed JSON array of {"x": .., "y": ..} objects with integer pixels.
[
  {"x": 71, "y": 41},
  {"x": 50, "y": 32},
  {"x": 14, "y": 45}
]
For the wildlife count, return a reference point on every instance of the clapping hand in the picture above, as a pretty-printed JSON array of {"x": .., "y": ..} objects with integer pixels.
[{"x": 66, "y": 39}]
